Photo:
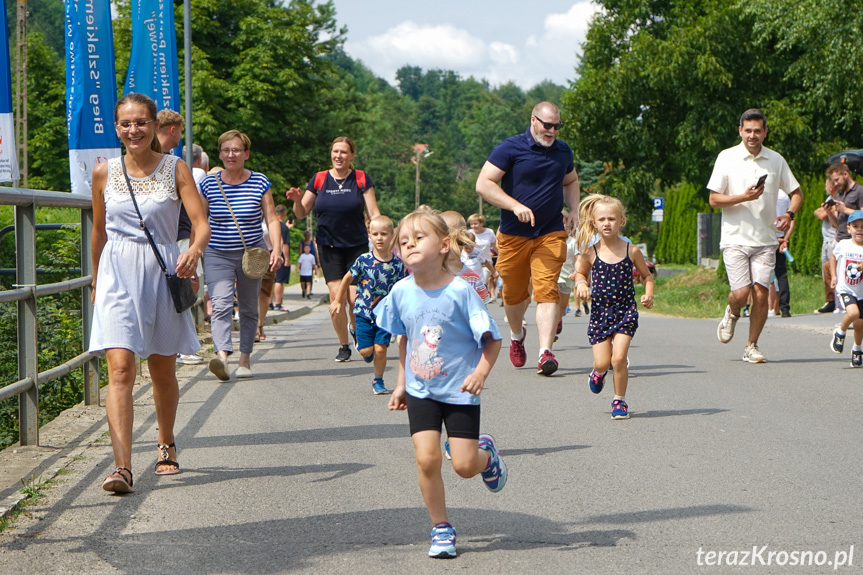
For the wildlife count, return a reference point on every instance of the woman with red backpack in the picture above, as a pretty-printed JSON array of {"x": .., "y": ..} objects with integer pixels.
[{"x": 339, "y": 197}]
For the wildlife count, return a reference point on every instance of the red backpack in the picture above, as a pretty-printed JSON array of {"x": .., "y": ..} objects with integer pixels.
[{"x": 321, "y": 177}]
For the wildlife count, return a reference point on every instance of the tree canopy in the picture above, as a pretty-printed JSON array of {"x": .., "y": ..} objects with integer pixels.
[{"x": 277, "y": 71}]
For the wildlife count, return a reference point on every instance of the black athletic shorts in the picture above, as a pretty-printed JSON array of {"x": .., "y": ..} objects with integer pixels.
[
  {"x": 335, "y": 262},
  {"x": 850, "y": 300},
  {"x": 283, "y": 275},
  {"x": 429, "y": 415}
]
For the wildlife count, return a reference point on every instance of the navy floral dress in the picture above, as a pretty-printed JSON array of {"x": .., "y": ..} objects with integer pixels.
[{"x": 613, "y": 297}]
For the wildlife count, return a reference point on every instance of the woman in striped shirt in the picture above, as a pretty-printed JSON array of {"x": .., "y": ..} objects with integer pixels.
[{"x": 251, "y": 200}]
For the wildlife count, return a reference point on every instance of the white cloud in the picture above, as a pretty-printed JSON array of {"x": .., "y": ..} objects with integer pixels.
[
  {"x": 534, "y": 56},
  {"x": 442, "y": 46},
  {"x": 501, "y": 53}
]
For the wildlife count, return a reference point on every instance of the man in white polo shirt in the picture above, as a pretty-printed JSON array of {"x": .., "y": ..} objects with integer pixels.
[{"x": 745, "y": 186}]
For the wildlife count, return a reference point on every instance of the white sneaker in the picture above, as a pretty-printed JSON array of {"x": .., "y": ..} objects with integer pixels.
[
  {"x": 189, "y": 359},
  {"x": 725, "y": 331},
  {"x": 752, "y": 354},
  {"x": 771, "y": 313},
  {"x": 243, "y": 372}
]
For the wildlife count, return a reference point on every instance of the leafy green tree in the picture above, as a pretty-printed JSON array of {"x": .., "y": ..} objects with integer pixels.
[{"x": 263, "y": 68}]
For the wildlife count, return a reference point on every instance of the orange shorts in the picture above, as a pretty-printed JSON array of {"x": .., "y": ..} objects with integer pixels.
[{"x": 521, "y": 260}]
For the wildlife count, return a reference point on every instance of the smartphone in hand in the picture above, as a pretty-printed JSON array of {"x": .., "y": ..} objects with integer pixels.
[{"x": 760, "y": 181}]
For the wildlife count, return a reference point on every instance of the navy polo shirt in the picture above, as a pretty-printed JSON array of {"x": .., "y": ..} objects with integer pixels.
[{"x": 534, "y": 177}]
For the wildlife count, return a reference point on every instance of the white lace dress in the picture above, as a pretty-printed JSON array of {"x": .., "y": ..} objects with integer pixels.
[{"x": 133, "y": 307}]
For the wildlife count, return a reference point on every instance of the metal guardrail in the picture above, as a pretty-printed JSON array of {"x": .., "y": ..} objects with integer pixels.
[{"x": 27, "y": 292}]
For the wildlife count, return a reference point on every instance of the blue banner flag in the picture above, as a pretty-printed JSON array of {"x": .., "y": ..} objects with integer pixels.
[
  {"x": 91, "y": 90},
  {"x": 8, "y": 152},
  {"x": 153, "y": 60}
]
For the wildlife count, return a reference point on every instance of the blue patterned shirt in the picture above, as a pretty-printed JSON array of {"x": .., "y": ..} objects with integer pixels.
[{"x": 376, "y": 279}]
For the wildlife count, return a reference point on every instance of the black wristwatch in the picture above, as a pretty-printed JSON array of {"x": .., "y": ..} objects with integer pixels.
[{"x": 790, "y": 215}]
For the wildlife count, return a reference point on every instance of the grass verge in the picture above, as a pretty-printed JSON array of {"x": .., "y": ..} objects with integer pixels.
[{"x": 699, "y": 293}]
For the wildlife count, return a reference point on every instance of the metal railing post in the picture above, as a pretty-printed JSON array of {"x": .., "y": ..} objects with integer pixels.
[
  {"x": 91, "y": 368},
  {"x": 28, "y": 352}
]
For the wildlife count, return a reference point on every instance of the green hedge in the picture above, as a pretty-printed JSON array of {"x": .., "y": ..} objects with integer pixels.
[
  {"x": 678, "y": 238},
  {"x": 805, "y": 243}
]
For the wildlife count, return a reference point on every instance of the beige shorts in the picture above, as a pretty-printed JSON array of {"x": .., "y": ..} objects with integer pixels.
[{"x": 748, "y": 265}]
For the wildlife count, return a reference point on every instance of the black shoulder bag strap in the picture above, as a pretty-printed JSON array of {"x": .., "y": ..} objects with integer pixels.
[{"x": 141, "y": 219}]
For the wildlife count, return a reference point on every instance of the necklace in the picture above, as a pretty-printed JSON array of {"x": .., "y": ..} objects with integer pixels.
[{"x": 342, "y": 183}]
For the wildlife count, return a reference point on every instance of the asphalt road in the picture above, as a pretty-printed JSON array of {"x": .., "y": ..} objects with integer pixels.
[{"x": 303, "y": 470}]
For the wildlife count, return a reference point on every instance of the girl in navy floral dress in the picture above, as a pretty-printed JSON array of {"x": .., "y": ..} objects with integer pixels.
[{"x": 614, "y": 317}]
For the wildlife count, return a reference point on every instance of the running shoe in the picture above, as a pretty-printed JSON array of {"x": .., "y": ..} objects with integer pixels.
[
  {"x": 517, "y": 355},
  {"x": 725, "y": 331},
  {"x": 752, "y": 354},
  {"x": 378, "y": 386},
  {"x": 577, "y": 313},
  {"x": 189, "y": 359},
  {"x": 446, "y": 449},
  {"x": 559, "y": 327},
  {"x": 856, "y": 358},
  {"x": 586, "y": 308},
  {"x": 619, "y": 409},
  {"x": 353, "y": 332},
  {"x": 547, "y": 364},
  {"x": 369, "y": 358},
  {"x": 344, "y": 354},
  {"x": 443, "y": 541},
  {"x": 495, "y": 474},
  {"x": 837, "y": 345},
  {"x": 596, "y": 381}
]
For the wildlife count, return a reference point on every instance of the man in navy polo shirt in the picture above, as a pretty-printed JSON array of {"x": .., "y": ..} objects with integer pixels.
[{"x": 536, "y": 175}]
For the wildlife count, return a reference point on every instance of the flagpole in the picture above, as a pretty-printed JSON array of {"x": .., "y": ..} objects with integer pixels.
[{"x": 187, "y": 75}]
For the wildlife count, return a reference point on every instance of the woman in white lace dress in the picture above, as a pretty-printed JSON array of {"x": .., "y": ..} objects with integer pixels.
[{"x": 134, "y": 313}]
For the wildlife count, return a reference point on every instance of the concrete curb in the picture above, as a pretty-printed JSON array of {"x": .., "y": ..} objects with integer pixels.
[{"x": 58, "y": 449}]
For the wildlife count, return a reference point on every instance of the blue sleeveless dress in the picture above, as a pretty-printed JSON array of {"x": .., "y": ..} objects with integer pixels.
[{"x": 613, "y": 297}]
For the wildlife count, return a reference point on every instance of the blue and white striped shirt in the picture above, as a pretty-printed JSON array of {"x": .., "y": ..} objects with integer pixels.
[{"x": 245, "y": 200}]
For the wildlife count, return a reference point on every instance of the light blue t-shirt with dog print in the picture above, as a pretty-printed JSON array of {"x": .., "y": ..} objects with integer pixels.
[{"x": 444, "y": 329}]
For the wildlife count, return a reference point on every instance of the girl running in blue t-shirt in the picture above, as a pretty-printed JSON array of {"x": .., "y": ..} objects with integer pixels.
[{"x": 449, "y": 346}]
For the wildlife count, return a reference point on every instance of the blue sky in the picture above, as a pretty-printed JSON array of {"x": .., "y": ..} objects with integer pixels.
[{"x": 504, "y": 40}]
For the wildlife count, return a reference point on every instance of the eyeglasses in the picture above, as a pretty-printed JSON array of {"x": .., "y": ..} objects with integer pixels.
[
  {"x": 126, "y": 125},
  {"x": 232, "y": 151},
  {"x": 549, "y": 125}
]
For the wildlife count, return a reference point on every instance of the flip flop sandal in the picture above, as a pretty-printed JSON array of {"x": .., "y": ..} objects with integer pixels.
[
  {"x": 163, "y": 460},
  {"x": 117, "y": 483}
]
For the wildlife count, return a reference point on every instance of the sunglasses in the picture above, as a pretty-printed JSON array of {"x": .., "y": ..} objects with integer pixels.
[{"x": 549, "y": 125}]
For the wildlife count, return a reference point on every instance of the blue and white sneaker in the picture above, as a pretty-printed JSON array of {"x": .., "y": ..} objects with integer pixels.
[
  {"x": 443, "y": 541},
  {"x": 619, "y": 409},
  {"x": 378, "y": 386},
  {"x": 596, "y": 381},
  {"x": 495, "y": 474},
  {"x": 446, "y": 449}
]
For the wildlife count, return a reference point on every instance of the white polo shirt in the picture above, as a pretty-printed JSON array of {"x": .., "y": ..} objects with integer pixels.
[{"x": 735, "y": 171}]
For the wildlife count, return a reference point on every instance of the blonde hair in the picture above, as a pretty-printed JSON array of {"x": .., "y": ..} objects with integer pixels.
[
  {"x": 430, "y": 220},
  {"x": 168, "y": 118},
  {"x": 586, "y": 211},
  {"x": 476, "y": 218},
  {"x": 231, "y": 134},
  {"x": 458, "y": 231},
  {"x": 387, "y": 224},
  {"x": 381, "y": 219}
]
